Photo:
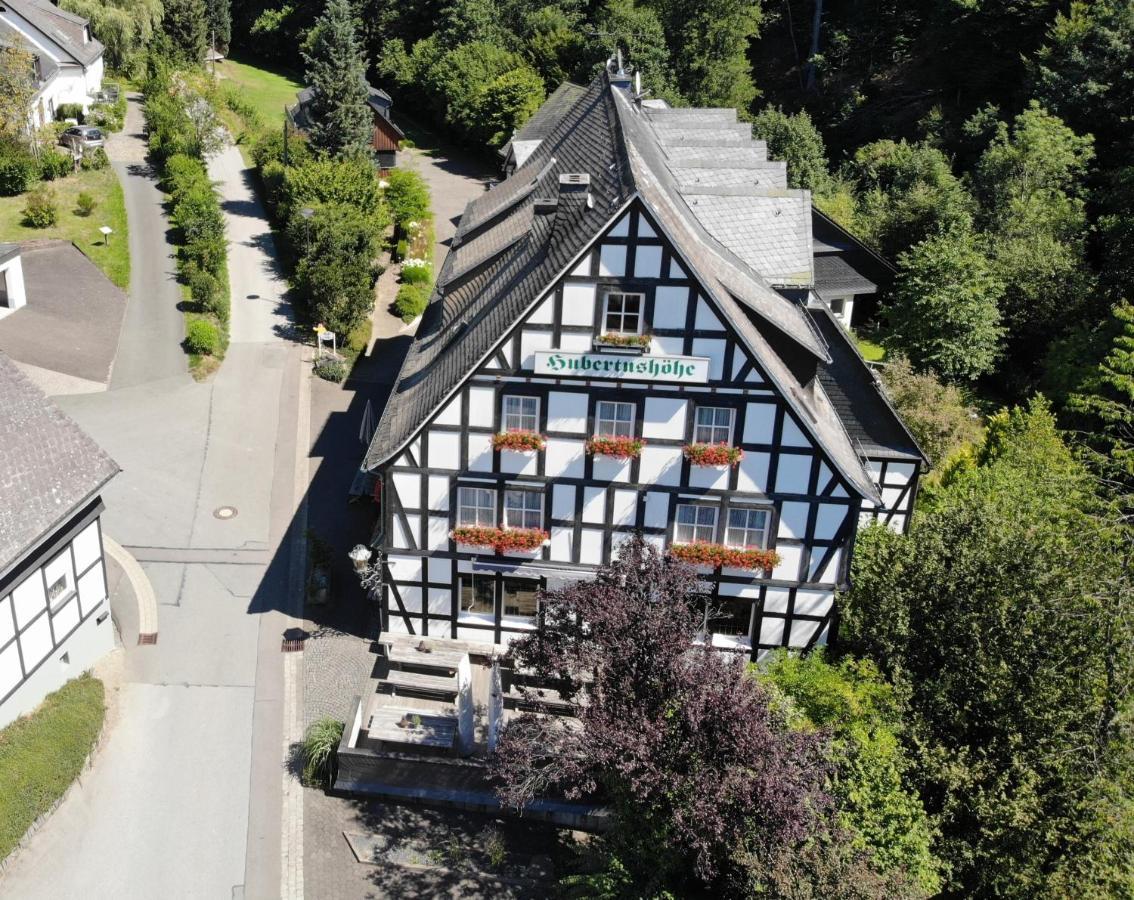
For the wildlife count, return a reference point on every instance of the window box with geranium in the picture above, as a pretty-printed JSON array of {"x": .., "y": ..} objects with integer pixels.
[
  {"x": 520, "y": 441},
  {"x": 713, "y": 454},
  {"x": 616, "y": 447},
  {"x": 704, "y": 553},
  {"x": 500, "y": 539},
  {"x": 631, "y": 343}
]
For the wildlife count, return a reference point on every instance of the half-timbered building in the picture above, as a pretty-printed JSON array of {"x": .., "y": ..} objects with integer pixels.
[{"x": 626, "y": 337}]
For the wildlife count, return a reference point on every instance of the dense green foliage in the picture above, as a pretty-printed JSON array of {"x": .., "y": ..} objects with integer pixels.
[
  {"x": 935, "y": 413},
  {"x": 202, "y": 338},
  {"x": 186, "y": 24},
  {"x": 411, "y": 301},
  {"x": 41, "y": 755},
  {"x": 319, "y": 747},
  {"x": 125, "y": 27},
  {"x": 41, "y": 209},
  {"x": 1013, "y": 645},
  {"x": 336, "y": 71}
]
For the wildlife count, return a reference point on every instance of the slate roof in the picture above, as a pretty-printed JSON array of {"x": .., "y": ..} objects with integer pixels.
[
  {"x": 608, "y": 136},
  {"x": 65, "y": 28},
  {"x": 7, "y": 251},
  {"x": 856, "y": 393},
  {"x": 834, "y": 277},
  {"x": 543, "y": 122},
  {"x": 377, "y": 99},
  {"x": 49, "y": 467}
]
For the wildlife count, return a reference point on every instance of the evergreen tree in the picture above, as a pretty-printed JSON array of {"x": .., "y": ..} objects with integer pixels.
[
  {"x": 186, "y": 25},
  {"x": 943, "y": 314},
  {"x": 342, "y": 122},
  {"x": 219, "y": 14}
]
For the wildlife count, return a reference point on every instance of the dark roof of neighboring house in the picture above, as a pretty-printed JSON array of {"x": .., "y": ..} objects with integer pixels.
[
  {"x": 49, "y": 467},
  {"x": 737, "y": 241},
  {"x": 835, "y": 277},
  {"x": 377, "y": 99},
  {"x": 65, "y": 28},
  {"x": 856, "y": 393},
  {"x": 544, "y": 120},
  {"x": 7, "y": 251}
]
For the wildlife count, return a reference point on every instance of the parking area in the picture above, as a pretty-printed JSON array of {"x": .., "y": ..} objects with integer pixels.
[{"x": 66, "y": 337}]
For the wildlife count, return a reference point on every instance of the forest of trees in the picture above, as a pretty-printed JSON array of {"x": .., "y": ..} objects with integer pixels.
[{"x": 970, "y": 735}]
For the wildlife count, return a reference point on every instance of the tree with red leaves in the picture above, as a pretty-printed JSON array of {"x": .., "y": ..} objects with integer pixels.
[{"x": 696, "y": 762}]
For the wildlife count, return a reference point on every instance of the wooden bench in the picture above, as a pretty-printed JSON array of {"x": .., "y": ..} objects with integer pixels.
[
  {"x": 428, "y": 729},
  {"x": 436, "y": 658},
  {"x": 423, "y": 684},
  {"x": 542, "y": 700}
]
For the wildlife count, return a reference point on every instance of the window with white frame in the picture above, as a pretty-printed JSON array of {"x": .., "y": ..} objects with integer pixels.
[
  {"x": 623, "y": 313},
  {"x": 713, "y": 425},
  {"x": 59, "y": 578},
  {"x": 476, "y": 506},
  {"x": 732, "y": 617},
  {"x": 747, "y": 527},
  {"x": 523, "y": 508},
  {"x": 613, "y": 419},
  {"x": 521, "y": 413},
  {"x": 695, "y": 523}
]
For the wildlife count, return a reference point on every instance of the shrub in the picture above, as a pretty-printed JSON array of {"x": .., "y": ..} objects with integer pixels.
[
  {"x": 411, "y": 301},
  {"x": 69, "y": 111},
  {"x": 55, "y": 165},
  {"x": 272, "y": 177},
  {"x": 85, "y": 204},
  {"x": 268, "y": 147},
  {"x": 207, "y": 253},
  {"x": 183, "y": 173},
  {"x": 107, "y": 116},
  {"x": 408, "y": 196},
  {"x": 401, "y": 249},
  {"x": 204, "y": 287},
  {"x": 319, "y": 746},
  {"x": 95, "y": 159},
  {"x": 331, "y": 368},
  {"x": 198, "y": 215},
  {"x": 416, "y": 271},
  {"x": 41, "y": 209},
  {"x": 202, "y": 338},
  {"x": 17, "y": 171}
]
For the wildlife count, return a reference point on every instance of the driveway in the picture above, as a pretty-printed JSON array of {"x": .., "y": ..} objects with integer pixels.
[{"x": 185, "y": 800}]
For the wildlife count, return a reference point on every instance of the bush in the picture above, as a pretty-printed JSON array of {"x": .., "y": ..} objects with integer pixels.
[
  {"x": 319, "y": 747},
  {"x": 416, "y": 271},
  {"x": 331, "y": 368},
  {"x": 85, "y": 204},
  {"x": 182, "y": 174},
  {"x": 17, "y": 171},
  {"x": 198, "y": 215},
  {"x": 95, "y": 159},
  {"x": 204, "y": 287},
  {"x": 401, "y": 249},
  {"x": 207, "y": 253},
  {"x": 110, "y": 117},
  {"x": 202, "y": 338},
  {"x": 272, "y": 178},
  {"x": 411, "y": 301},
  {"x": 55, "y": 165},
  {"x": 69, "y": 111},
  {"x": 408, "y": 197},
  {"x": 41, "y": 209}
]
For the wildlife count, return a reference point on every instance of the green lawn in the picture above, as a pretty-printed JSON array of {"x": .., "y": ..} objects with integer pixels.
[
  {"x": 268, "y": 91},
  {"x": 870, "y": 351},
  {"x": 114, "y": 258},
  {"x": 41, "y": 754}
]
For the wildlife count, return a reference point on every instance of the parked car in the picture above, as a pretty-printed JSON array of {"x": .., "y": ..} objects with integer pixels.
[{"x": 81, "y": 137}]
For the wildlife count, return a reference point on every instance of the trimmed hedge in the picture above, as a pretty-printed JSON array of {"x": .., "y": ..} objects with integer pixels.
[
  {"x": 202, "y": 338},
  {"x": 411, "y": 301}
]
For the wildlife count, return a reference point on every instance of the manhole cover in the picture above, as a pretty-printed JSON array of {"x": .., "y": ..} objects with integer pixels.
[{"x": 224, "y": 512}]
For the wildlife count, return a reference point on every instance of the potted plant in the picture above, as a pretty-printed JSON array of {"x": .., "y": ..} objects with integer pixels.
[
  {"x": 519, "y": 441},
  {"x": 616, "y": 447},
  {"x": 721, "y": 454},
  {"x": 704, "y": 553},
  {"x": 629, "y": 342},
  {"x": 500, "y": 539}
]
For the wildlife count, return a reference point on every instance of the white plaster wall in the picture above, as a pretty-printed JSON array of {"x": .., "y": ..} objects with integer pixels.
[{"x": 13, "y": 271}]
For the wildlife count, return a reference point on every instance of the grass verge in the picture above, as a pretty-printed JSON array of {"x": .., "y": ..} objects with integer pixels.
[
  {"x": 110, "y": 209},
  {"x": 267, "y": 90},
  {"x": 870, "y": 351},
  {"x": 41, "y": 755}
]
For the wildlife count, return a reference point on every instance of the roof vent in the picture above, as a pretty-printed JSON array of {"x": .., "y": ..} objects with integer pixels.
[
  {"x": 545, "y": 205},
  {"x": 574, "y": 182}
]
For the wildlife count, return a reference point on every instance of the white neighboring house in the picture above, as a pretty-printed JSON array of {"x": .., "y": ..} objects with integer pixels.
[
  {"x": 12, "y": 292},
  {"x": 68, "y": 60},
  {"x": 54, "y": 612}
]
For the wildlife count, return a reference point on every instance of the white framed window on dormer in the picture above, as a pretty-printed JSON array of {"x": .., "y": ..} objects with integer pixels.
[
  {"x": 622, "y": 313},
  {"x": 713, "y": 425},
  {"x": 476, "y": 506},
  {"x": 695, "y": 523},
  {"x": 613, "y": 419},
  {"x": 747, "y": 527},
  {"x": 523, "y": 508},
  {"x": 521, "y": 413}
]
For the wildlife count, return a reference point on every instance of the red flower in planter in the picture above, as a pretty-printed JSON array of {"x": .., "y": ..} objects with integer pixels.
[
  {"x": 703, "y": 553},
  {"x": 500, "y": 539},
  {"x": 618, "y": 447},
  {"x": 713, "y": 454},
  {"x": 520, "y": 441}
]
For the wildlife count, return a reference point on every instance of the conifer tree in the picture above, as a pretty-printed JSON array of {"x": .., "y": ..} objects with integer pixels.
[
  {"x": 219, "y": 14},
  {"x": 336, "y": 69},
  {"x": 186, "y": 24}
]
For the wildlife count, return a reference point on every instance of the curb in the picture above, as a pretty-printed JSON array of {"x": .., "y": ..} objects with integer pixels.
[{"x": 143, "y": 590}]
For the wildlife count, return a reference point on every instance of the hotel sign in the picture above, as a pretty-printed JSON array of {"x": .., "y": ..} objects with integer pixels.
[{"x": 683, "y": 369}]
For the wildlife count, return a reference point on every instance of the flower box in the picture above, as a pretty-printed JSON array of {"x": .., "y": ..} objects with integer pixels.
[
  {"x": 634, "y": 342},
  {"x": 713, "y": 454},
  {"x": 702, "y": 553},
  {"x": 520, "y": 441},
  {"x": 500, "y": 539},
  {"x": 618, "y": 447}
]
